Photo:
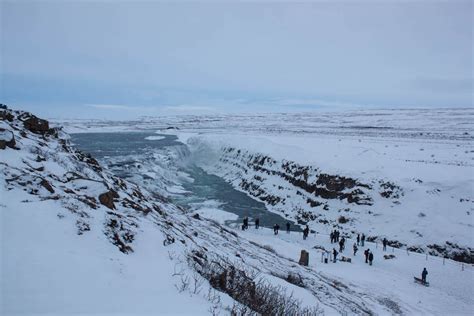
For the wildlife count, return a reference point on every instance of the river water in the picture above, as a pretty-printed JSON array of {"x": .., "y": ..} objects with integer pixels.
[{"x": 142, "y": 157}]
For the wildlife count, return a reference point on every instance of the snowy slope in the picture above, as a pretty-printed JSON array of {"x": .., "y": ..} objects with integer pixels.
[
  {"x": 62, "y": 250},
  {"x": 390, "y": 188},
  {"x": 76, "y": 238}
]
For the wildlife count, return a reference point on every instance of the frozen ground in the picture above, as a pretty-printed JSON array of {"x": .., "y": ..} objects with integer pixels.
[
  {"x": 77, "y": 239},
  {"x": 418, "y": 164},
  {"x": 451, "y": 283}
]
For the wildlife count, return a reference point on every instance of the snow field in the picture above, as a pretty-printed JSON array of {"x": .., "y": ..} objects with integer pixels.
[{"x": 451, "y": 290}]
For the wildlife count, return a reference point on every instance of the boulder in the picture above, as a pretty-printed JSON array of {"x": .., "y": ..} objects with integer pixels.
[
  {"x": 47, "y": 185},
  {"x": 107, "y": 199},
  {"x": 36, "y": 125},
  {"x": 304, "y": 258},
  {"x": 7, "y": 139}
]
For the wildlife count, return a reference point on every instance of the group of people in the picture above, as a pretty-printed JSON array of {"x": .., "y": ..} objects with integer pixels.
[
  {"x": 369, "y": 256},
  {"x": 335, "y": 237},
  {"x": 276, "y": 227},
  {"x": 360, "y": 240},
  {"x": 245, "y": 223}
]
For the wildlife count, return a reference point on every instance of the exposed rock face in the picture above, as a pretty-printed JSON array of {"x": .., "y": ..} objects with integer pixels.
[
  {"x": 6, "y": 116},
  {"x": 453, "y": 251},
  {"x": 107, "y": 199},
  {"x": 36, "y": 125},
  {"x": 305, "y": 191},
  {"x": 324, "y": 186},
  {"x": 47, "y": 185}
]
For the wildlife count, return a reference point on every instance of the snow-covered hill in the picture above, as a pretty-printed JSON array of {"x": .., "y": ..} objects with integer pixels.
[
  {"x": 77, "y": 239},
  {"x": 67, "y": 227}
]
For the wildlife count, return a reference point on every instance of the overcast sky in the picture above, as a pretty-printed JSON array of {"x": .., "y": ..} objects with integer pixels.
[{"x": 118, "y": 60}]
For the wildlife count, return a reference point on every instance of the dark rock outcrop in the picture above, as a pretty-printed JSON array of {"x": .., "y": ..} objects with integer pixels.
[
  {"x": 36, "y": 125},
  {"x": 107, "y": 199},
  {"x": 47, "y": 185},
  {"x": 7, "y": 139},
  {"x": 6, "y": 116}
]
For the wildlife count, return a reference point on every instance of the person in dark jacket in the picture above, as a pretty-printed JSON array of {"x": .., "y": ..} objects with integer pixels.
[
  {"x": 423, "y": 275},
  {"x": 288, "y": 227},
  {"x": 257, "y": 223},
  {"x": 358, "y": 239},
  {"x": 276, "y": 228},
  {"x": 334, "y": 253},
  {"x": 305, "y": 232},
  {"x": 341, "y": 245},
  {"x": 332, "y": 236},
  {"x": 246, "y": 222},
  {"x": 354, "y": 247},
  {"x": 337, "y": 235},
  {"x": 366, "y": 254},
  {"x": 362, "y": 240},
  {"x": 371, "y": 257}
]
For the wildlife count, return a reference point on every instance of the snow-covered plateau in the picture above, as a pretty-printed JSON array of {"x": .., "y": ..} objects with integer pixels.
[{"x": 76, "y": 238}]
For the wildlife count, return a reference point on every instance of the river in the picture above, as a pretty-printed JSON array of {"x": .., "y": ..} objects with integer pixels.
[{"x": 135, "y": 156}]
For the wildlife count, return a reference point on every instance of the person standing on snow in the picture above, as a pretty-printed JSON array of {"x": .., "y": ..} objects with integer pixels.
[
  {"x": 371, "y": 257},
  {"x": 362, "y": 240},
  {"x": 366, "y": 254},
  {"x": 305, "y": 232},
  {"x": 246, "y": 222},
  {"x": 423, "y": 275},
  {"x": 276, "y": 227},
  {"x": 384, "y": 243},
  {"x": 341, "y": 245},
  {"x": 288, "y": 227},
  {"x": 334, "y": 253},
  {"x": 355, "y": 248},
  {"x": 358, "y": 239},
  {"x": 257, "y": 223}
]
